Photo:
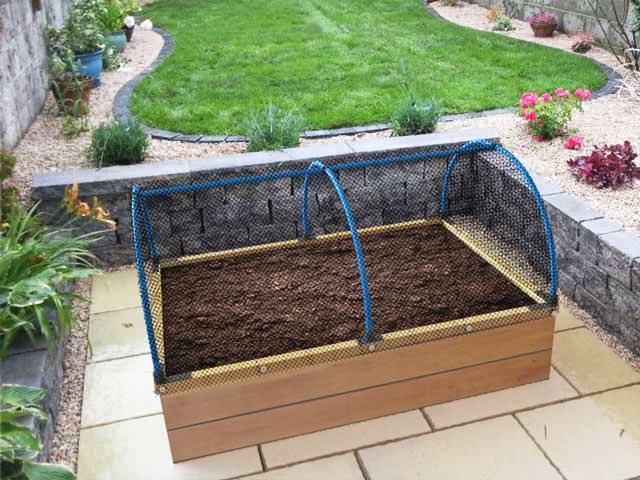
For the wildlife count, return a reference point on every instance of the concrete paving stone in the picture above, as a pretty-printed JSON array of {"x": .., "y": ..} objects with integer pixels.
[
  {"x": 591, "y": 438},
  {"x": 348, "y": 437},
  {"x": 138, "y": 450},
  {"x": 501, "y": 402},
  {"x": 117, "y": 334},
  {"x": 340, "y": 467},
  {"x": 589, "y": 364},
  {"x": 566, "y": 320},
  {"x": 497, "y": 449},
  {"x": 119, "y": 390},
  {"x": 115, "y": 291}
]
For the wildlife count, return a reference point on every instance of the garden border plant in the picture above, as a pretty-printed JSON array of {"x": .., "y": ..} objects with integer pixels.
[{"x": 122, "y": 99}]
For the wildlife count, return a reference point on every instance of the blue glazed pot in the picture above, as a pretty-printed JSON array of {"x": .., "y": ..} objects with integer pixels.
[
  {"x": 117, "y": 40},
  {"x": 91, "y": 65}
]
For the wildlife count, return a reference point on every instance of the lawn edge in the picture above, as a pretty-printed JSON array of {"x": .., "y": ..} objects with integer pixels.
[{"x": 122, "y": 99}]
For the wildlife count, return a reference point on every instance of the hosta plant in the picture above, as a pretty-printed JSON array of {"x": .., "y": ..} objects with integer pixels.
[
  {"x": 548, "y": 115},
  {"x": 18, "y": 445},
  {"x": 607, "y": 166}
]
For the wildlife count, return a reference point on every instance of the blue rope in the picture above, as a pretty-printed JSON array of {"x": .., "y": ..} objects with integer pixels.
[
  {"x": 470, "y": 147},
  {"x": 148, "y": 229},
  {"x": 142, "y": 282},
  {"x": 318, "y": 166}
]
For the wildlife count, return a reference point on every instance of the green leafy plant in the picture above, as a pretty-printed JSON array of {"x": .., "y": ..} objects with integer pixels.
[
  {"x": 36, "y": 263},
  {"x": 503, "y": 24},
  {"x": 18, "y": 445},
  {"x": 273, "y": 128},
  {"x": 112, "y": 60},
  {"x": 132, "y": 6},
  {"x": 111, "y": 17},
  {"x": 81, "y": 33},
  {"x": 8, "y": 195},
  {"x": 548, "y": 116},
  {"x": 118, "y": 144},
  {"x": 74, "y": 125}
]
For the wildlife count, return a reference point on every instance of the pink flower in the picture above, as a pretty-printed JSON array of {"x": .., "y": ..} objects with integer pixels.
[
  {"x": 562, "y": 92},
  {"x": 539, "y": 138},
  {"x": 583, "y": 94},
  {"x": 546, "y": 97},
  {"x": 574, "y": 142},
  {"x": 530, "y": 116},
  {"x": 528, "y": 99}
]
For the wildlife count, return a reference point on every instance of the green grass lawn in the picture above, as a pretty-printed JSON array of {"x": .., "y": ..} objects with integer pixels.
[{"x": 336, "y": 61}]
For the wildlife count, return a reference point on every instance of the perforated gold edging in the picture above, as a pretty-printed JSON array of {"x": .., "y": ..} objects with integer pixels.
[{"x": 330, "y": 353}]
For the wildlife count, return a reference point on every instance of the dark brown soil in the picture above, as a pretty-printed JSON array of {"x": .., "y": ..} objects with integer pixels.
[{"x": 246, "y": 307}]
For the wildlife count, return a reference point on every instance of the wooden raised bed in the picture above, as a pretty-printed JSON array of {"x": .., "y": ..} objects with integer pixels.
[{"x": 229, "y": 406}]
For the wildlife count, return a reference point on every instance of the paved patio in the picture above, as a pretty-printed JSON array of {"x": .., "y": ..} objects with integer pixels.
[{"x": 583, "y": 423}]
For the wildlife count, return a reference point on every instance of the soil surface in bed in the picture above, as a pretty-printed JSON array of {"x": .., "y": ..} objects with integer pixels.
[{"x": 251, "y": 306}]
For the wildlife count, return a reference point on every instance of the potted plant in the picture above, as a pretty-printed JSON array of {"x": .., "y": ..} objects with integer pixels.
[
  {"x": 71, "y": 89},
  {"x": 543, "y": 24},
  {"x": 111, "y": 19},
  {"x": 82, "y": 37}
]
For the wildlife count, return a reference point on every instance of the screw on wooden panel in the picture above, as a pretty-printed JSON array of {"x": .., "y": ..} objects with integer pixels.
[
  {"x": 468, "y": 328},
  {"x": 372, "y": 347},
  {"x": 555, "y": 313},
  {"x": 162, "y": 389},
  {"x": 264, "y": 369}
]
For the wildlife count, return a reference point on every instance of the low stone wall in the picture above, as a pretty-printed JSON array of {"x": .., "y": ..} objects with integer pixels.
[
  {"x": 573, "y": 15},
  {"x": 23, "y": 62},
  {"x": 599, "y": 262},
  {"x": 36, "y": 366}
]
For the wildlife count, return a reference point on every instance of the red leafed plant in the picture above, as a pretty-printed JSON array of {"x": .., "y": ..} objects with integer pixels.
[{"x": 607, "y": 166}]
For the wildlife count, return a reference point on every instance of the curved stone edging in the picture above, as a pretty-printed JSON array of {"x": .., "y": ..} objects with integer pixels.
[{"x": 122, "y": 112}]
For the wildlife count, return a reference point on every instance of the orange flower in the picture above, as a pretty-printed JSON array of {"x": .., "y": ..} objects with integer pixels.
[
  {"x": 84, "y": 209},
  {"x": 101, "y": 213}
]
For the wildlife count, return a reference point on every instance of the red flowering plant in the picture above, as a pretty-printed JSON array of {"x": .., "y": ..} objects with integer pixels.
[
  {"x": 607, "y": 166},
  {"x": 548, "y": 115}
]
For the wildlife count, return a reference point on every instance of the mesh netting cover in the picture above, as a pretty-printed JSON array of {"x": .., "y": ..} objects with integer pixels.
[{"x": 247, "y": 273}]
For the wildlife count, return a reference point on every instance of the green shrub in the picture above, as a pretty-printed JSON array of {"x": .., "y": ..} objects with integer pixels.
[
  {"x": 118, "y": 144},
  {"x": 503, "y": 24},
  {"x": 8, "y": 195},
  {"x": 36, "y": 263},
  {"x": 415, "y": 117},
  {"x": 19, "y": 445},
  {"x": 272, "y": 129}
]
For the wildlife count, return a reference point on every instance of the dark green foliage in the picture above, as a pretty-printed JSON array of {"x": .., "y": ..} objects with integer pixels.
[
  {"x": 272, "y": 129},
  {"x": 118, "y": 144},
  {"x": 8, "y": 195}
]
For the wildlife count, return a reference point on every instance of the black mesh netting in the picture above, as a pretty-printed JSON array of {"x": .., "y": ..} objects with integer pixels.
[{"x": 234, "y": 289}]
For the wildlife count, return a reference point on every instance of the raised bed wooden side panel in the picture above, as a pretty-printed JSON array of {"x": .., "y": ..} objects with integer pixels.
[{"x": 225, "y": 417}]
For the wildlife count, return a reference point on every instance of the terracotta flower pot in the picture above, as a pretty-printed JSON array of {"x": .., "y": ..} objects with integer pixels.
[
  {"x": 67, "y": 94},
  {"x": 543, "y": 29}
]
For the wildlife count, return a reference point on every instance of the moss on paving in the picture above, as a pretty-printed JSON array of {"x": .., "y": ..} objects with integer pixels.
[{"x": 335, "y": 60}]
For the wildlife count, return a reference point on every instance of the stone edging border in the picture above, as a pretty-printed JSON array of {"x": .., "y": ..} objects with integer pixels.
[{"x": 122, "y": 112}]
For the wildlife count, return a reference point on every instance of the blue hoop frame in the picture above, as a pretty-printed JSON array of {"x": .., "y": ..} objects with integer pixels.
[
  {"x": 317, "y": 167},
  {"x": 138, "y": 205}
]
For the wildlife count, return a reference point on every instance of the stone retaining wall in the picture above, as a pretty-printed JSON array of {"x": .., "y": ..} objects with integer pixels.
[
  {"x": 573, "y": 15},
  {"x": 23, "y": 62},
  {"x": 599, "y": 262}
]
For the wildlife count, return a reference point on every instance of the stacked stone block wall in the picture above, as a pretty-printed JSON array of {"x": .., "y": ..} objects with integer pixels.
[
  {"x": 23, "y": 62},
  {"x": 599, "y": 262}
]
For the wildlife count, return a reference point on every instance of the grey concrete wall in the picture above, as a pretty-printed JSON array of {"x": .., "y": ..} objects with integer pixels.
[
  {"x": 599, "y": 262},
  {"x": 573, "y": 15},
  {"x": 23, "y": 62}
]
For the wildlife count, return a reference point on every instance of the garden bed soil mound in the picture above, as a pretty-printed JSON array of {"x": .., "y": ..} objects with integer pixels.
[{"x": 246, "y": 307}]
